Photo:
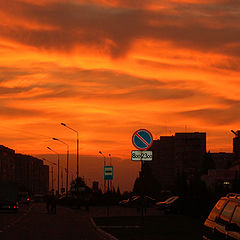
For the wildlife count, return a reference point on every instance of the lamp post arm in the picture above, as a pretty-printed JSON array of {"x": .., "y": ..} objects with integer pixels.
[{"x": 65, "y": 125}]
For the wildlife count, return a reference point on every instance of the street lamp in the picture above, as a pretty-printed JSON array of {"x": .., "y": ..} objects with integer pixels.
[
  {"x": 63, "y": 124},
  {"x": 56, "y": 139},
  {"x": 110, "y": 159},
  {"x": 104, "y": 165},
  {"x": 52, "y": 169},
  {"x": 111, "y": 181},
  {"x": 57, "y": 164},
  {"x": 103, "y": 157}
]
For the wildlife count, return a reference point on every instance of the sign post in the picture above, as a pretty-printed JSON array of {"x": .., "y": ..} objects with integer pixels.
[
  {"x": 108, "y": 175},
  {"x": 142, "y": 139}
]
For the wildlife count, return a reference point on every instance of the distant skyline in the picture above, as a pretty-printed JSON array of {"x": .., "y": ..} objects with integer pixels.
[{"x": 109, "y": 67}]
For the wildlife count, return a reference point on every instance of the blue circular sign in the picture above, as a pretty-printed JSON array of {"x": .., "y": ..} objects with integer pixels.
[{"x": 142, "y": 139}]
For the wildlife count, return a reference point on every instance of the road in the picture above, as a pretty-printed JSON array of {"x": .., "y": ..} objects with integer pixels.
[{"x": 34, "y": 223}]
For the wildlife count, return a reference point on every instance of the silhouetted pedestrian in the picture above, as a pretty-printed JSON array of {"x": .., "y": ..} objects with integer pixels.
[{"x": 48, "y": 202}]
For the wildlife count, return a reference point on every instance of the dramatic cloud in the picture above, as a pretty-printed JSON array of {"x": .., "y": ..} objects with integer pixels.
[
  {"x": 109, "y": 67},
  {"x": 63, "y": 26}
]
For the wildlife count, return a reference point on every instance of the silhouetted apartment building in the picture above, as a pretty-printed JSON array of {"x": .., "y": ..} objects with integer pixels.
[
  {"x": 7, "y": 164},
  {"x": 226, "y": 169},
  {"x": 216, "y": 177},
  {"x": 222, "y": 160},
  {"x": 172, "y": 155},
  {"x": 31, "y": 174},
  {"x": 236, "y": 147},
  {"x": 44, "y": 179},
  {"x": 190, "y": 149},
  {"x": 163, "y": 165}
]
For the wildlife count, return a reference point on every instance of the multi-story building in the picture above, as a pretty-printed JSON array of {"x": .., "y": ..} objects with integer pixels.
[
  {"x": 44, "y": 179},
  {"x": 163, "y": 164},
  {"x": 236, "y": 147},
  {"x": 222, "y": 160},
  {"x": 7, "y": 164},
  {"x": 27, "y": 172},
  {"x": 31, "y": 174},
  {"x": 172, "y": 155},
  {"x": 190, "y": 149}
]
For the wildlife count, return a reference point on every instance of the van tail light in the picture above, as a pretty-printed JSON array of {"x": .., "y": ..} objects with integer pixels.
[{"x": 27, "y": 199}]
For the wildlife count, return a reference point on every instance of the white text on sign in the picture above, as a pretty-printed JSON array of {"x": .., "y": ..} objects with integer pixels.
[{"x": 141, "y": 155}]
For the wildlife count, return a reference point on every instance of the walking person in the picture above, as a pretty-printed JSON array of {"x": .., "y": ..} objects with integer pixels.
[
  {"x": 48, "y": 202},
  {"x": 53, "y": 204}
]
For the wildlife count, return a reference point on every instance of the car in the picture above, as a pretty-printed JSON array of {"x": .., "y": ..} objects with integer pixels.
[
  {"x": 9, "y": 205},
  {"x": 128, "y": 202},
  {"x": 38, "y": 198},
  {"x": 170, "y": 205},
  {"x": 8, "y": 197},
  {"x": 24, "y": 198},
  {"x": 223, "y": 221},
  {"x": 138, "y": 201}
]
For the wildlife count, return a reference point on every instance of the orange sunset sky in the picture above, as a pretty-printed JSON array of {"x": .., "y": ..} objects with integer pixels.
[{"x": 109, "y": 67}]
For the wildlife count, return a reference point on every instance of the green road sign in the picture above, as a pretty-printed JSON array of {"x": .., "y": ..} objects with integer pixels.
[{"x": 108, "y": 172}]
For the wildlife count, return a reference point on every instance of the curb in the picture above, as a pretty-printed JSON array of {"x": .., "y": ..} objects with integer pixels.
[{"x": 105, "y": 234}]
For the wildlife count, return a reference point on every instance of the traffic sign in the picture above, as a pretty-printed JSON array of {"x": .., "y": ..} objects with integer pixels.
[
  {"x": 142, "y": 139},
  {"x": 142, "y": 155},
  {"x": 108, "y": 172}
]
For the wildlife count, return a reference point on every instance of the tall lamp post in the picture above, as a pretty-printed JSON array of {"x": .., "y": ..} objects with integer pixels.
[
  {"x": 52, "y": 169},
  {"x": 111, "y": 181},
  {"x": 104, "y": 158},
  {"x": 56, "y": 139},
  {"x": 57, "y": 164},
  {"x": 65, "y": 125}
]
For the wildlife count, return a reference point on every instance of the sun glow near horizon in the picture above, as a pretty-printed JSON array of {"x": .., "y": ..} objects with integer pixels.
[{"x": 110, "y": 67}]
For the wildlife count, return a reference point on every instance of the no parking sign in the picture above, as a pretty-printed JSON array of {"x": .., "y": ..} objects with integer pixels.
[{"x": 142, "y": 139}]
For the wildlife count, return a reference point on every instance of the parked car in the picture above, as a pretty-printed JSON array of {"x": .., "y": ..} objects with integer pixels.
[
  {"x": 128, "y": 202},
  {"x": 9, "y": 205},
  {"x": 38, "y": 198},
  {"x": 24, "y": 198},
  {"x": 223, "y": 221},
  {"x": 138, "y": 201},
  {"x": 170, "y": 205},
  {"x": 8, "y": 197}
]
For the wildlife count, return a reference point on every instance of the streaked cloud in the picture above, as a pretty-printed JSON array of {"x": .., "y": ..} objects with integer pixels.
[
  {"x": 200, "y": 27},
  {"x": 109, "y": 67}
]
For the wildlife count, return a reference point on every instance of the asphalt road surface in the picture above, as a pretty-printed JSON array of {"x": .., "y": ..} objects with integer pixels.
[{"x": 34, "y": 223}]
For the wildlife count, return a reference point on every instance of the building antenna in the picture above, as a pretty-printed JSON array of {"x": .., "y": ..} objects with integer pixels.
[{"x": 236, "y": 133}]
